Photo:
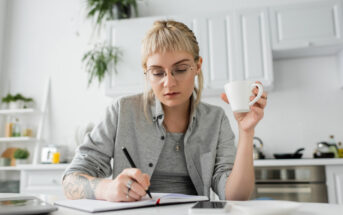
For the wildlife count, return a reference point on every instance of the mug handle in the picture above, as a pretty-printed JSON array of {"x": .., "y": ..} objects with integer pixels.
[{"x": 259, "y": 94}]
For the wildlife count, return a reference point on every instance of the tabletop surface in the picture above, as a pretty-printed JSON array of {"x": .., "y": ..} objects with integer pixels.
[
  {"x": 260, "y": 207},
  {"x": 183, "y": 209}
]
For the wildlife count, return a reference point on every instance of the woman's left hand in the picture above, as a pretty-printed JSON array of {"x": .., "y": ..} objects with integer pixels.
[{"x": 248, "y": 121}]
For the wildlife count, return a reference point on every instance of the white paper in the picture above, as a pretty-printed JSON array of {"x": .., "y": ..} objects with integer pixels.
[{"x": 90, "y": 205}]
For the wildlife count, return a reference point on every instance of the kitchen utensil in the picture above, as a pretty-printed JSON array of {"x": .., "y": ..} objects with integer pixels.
[
  {"x": 239, "y": 92},
  {"x": 323, "y": 154},
  {"x": 48, "y": 151},
  {"x": 294, "y": 155},
  {"x": 258, "y": 154},
  {"x": 324, "y": 150}
]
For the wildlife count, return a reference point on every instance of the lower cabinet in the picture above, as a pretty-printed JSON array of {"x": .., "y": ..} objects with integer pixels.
[
  {"x": 334, "y": 182},
  {"x": 47, "y": 181}
]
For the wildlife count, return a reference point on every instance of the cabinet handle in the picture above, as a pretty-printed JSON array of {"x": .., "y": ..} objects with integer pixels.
[{"x": 284, "y": 190}]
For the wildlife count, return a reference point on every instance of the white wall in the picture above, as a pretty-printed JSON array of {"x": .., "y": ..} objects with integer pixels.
[
  {"x": 305, "y": 106},
  {"x": 48, "y": 38},
  {"x": 3, "y": 4}
]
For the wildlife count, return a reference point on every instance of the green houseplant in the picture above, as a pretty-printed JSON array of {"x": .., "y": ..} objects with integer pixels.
[
  {"x": 103, "y": 10},
  {"x": 17, "y": 101},
  {"x": 101, "y": 60},
  {"x": 21, "y": 156}
]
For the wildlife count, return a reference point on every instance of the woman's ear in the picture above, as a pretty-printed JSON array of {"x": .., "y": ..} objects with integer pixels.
[{"x": 199, "y": 64}]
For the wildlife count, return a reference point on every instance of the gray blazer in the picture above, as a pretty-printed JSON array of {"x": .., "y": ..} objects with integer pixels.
[{"x": 208, "y": 143}]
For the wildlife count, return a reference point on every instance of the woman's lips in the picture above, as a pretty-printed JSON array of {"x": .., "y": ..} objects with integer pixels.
[{"x": 171, "y": 94}]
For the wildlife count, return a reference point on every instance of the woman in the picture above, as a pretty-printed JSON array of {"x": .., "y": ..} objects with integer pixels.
[{"x": 178, "y": 143}]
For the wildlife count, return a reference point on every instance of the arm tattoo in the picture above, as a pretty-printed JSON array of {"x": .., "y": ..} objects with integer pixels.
[{"x": 80, "y": 186}]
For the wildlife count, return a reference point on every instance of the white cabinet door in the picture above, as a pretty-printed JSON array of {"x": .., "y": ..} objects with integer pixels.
[
  {"x": 220, "y": 49},
  {"x": 254, "y": 54},
  {"x": 304, "y": 25},
  {"x": 127, "y": 35},
  {"x": 41, "y": 182},
  {"x": 334, "y": 181}
]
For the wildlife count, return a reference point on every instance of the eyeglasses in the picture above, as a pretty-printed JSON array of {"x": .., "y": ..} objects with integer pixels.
[{"x": 180, "y": 72}]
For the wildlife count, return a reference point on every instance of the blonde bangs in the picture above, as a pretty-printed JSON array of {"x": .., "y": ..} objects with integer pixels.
[{"x": 161, "y": 39}]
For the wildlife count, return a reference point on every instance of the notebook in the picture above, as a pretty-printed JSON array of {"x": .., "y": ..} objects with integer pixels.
[{"x": 90, "y": 205}]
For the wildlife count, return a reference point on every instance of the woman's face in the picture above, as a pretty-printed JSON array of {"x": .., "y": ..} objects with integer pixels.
[{"x": 171, "y": 76}]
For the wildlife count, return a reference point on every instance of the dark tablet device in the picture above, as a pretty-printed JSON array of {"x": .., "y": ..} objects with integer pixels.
[
  {"x": 209, "y": 207},
  {"x": 24, "y": 205}
]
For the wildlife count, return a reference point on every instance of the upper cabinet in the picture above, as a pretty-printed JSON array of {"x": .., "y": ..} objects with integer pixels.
[
  {"x": 304, "y": 25},
  {"x": 237, "y": 45},
  {"x": 254, "y": 53},
  {"x": 234, "y": 46}
]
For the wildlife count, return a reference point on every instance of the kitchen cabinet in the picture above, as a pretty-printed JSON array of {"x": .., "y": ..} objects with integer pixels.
[
  {"x": 297, "y": 26},
  {"x": 42, "y": 179},
  {"x": 41, "y": 182},
  {"x": 254, "y": 52},
  {"x": 215, "y": 35},
  {"x": 334, "y": 180},
  {"x": 229, "y": 45}
]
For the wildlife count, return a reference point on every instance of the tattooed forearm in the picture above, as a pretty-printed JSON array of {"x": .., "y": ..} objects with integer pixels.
[{"x": 80, "y": 186}]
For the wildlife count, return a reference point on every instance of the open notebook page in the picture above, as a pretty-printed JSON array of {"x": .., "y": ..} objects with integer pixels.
[{"x": 90, "y": 205}]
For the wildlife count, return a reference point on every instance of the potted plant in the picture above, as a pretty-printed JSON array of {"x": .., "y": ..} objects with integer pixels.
[
  {"x": 28, "y": 103},
  {"x": 21, "y": 156},
  {"x": 17, "y": 101},
  {"x": 103, "y": 10},
  {"x": 6, "y": 101},
  {"x": 101, "y": 60}
]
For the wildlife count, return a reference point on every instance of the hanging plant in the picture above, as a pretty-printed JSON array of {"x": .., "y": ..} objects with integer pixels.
[
  {"x": 101, "y": 60},
  {"x": 104, "y": 10}
]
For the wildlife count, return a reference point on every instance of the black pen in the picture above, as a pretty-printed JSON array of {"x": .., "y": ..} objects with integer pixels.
[{"x": 127, "y": 155}]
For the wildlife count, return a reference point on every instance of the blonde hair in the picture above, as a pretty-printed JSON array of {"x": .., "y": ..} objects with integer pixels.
[{"x": 165, "y": 36}]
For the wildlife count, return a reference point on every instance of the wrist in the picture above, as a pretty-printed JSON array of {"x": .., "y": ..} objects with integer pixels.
[
  {"x": 246, "y": 133},
  {"x": 100, "y": 191}
]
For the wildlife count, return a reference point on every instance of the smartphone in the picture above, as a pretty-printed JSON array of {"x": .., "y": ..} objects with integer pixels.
[{"x": 209, "y": 207}]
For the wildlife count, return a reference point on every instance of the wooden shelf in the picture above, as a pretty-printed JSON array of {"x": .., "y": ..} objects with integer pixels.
[
  {"x": 18, "y": 111},
  {"x": 17, "y": 139}
]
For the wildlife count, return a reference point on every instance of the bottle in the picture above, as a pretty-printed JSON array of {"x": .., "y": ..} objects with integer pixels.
[
  {"x": 333, "y": 146},
  {"x": 16, "y": 128},
  {"x": 9, "y": 128},
  {"x": 340, "y": 150}
]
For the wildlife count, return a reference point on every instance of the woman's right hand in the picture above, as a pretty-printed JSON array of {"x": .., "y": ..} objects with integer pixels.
[{"x": 117, "y": 191}]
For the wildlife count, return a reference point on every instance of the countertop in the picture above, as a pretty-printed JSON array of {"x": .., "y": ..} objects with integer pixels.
[
  {"x": 261, "y": 162},
  {"x": 299, "y": 162},
  {"x": 261, "y": 207}
]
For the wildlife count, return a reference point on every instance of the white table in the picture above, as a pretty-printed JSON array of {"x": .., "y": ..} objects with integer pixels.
[{"x": 182, "y": 209}]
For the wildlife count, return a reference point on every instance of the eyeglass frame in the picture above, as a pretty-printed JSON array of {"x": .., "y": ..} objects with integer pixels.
[{"x": 190, "y": 68}]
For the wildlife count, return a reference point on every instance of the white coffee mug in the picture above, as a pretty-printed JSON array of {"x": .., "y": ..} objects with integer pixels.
[{"x": 239, "y": 92}]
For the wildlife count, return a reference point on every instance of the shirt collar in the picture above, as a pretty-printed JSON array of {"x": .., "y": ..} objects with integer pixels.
[{"x": 157, "y": 109}]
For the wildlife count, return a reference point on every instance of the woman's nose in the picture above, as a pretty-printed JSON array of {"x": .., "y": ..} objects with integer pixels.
[{"x": 169, "y": 80}]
